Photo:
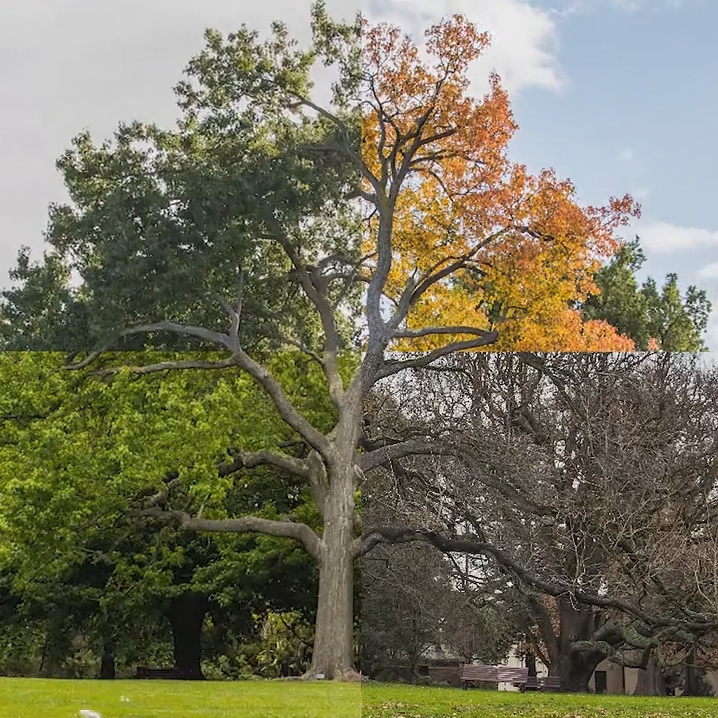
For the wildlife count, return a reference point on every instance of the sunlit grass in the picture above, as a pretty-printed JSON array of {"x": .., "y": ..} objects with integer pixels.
[{"x": 37, "y": 698}]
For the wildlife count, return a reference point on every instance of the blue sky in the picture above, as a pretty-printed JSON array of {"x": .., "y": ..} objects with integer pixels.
[{"x": 619, "y": 95}]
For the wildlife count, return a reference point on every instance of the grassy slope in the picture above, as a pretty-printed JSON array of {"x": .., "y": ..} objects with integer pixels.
[
  {"x": 31, "y": 698},
  {"x": 383, "y": 701}
]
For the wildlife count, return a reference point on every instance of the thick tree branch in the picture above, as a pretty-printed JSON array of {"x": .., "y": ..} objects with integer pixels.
[
  {"x": 394, "y": 367},
  {"x": 315, "y": 287},
  {"x": 429, "y": 331},
  {"x": 164, "y": 366},
  {"x": 287, "y": 411},
  {"x": 385, "y": 454},
  {"x": 352, "y": 153},
  {"x": 251, "y": 459},
  {"x": 246, "y": 524}
]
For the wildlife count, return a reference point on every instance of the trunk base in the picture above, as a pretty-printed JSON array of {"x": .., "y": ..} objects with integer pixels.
[{"x": 347, "y": 675}]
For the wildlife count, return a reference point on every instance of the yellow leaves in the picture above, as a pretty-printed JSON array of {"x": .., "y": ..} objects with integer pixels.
[{"x": 521, "y": 249}]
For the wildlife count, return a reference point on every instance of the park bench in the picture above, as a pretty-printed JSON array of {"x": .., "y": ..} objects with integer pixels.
[
  {"x": 532, "y": 684},
  {"x": 473, "y": 673},
  {"x": 163, "y": 673},
  {"x": 550, "y": 683},
  {"x": 444, "y": 674}
]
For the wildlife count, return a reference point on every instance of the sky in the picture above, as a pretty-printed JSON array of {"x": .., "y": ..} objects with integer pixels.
[{"x": 618, "y": 95}]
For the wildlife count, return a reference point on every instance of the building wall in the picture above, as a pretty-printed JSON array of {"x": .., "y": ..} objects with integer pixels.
[{"x": 616, "y": 678}]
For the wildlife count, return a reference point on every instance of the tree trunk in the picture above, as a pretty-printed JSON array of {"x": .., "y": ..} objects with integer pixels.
[
  {"x": 107, "y": 666},
  {"x": 333, "y": 655},
  {"x": 576, "y": 670},
  {"x": 650, "y": 681},
  {"x": 186, "y": 615},
  {"x": 107, "y": 659},
  {"x": 576, "y": 667}
]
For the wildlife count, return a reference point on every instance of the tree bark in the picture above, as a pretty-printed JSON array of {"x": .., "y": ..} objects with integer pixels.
[
  {"x": 575, "y": 667},
  {"x": 576, "y": 670},
  {"x": 186, "y": 615},
  {"x": 107, "y": 663},
  {"x": 107, "y": 666},
  {"x": 650, "y": 681},
  {"x": 333, "y": 655}
]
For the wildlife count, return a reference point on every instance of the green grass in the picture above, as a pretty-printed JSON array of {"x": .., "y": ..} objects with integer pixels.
[
  {"x": 389, "y": 701},
  {"x": 32, "y": 698},
  {"x": 35, "y": 698}
]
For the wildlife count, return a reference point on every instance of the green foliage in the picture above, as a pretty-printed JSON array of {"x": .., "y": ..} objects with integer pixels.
[
  {"x": 78, "y": 454},
  {"x": 77, "y": 451},
  {"x": 646, "y": 312},
  {"x": 286, "y": 644},
  {"x": 161, "y": 221}
]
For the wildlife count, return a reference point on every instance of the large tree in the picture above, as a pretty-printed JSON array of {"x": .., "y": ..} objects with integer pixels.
[{"x": 287, "y": 213}]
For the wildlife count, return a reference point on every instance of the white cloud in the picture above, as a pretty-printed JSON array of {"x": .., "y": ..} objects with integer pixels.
[
  {"x": 523, "y": 37},
  {"x": 76, "y": 64},
  {"x": 710, "y": 271},
  {"x": 666, "y": 238}
]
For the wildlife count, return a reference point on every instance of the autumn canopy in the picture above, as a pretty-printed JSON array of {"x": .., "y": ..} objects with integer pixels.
[{"x": 517, "y": 251}]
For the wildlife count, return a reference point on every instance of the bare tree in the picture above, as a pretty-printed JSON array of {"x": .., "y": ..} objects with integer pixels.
[{"x": 587, "y": 478}]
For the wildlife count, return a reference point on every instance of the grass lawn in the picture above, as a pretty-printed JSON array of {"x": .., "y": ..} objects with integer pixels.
[
  {"x": 35, "y": 698},
  {"x": 389, "y": 701}
]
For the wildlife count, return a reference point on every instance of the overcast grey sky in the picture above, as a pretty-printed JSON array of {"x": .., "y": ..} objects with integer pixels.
[
  {"x": 618, "y": 95},
  {"x": 67, "y": 65}
]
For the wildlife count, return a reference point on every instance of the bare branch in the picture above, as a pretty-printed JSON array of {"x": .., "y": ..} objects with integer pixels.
[
  {"x": 470, "y": 545},
  {"x": 394, "y": 367},
  {"x": 428, "y": 331},
  {"x": 391, "y": 452}
]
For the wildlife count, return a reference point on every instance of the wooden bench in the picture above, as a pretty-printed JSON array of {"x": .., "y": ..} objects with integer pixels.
[
  {"x": 550, "y": 683},
  {"x": 473, "y": 673},
  {"x": 444, "y": 674},
  {"x": 532, "y": 684},
  {"x": 161, "y": 673}
]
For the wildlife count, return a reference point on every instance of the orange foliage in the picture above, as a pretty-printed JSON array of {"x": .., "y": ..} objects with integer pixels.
[{"x": 527, "y": 251}]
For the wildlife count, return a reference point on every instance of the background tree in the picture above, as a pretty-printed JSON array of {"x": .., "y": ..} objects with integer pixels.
[
  {"x": 75, "y": 460},
  {"x": 509, "y": 250},
  {"x": 651, "y": 318}
]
